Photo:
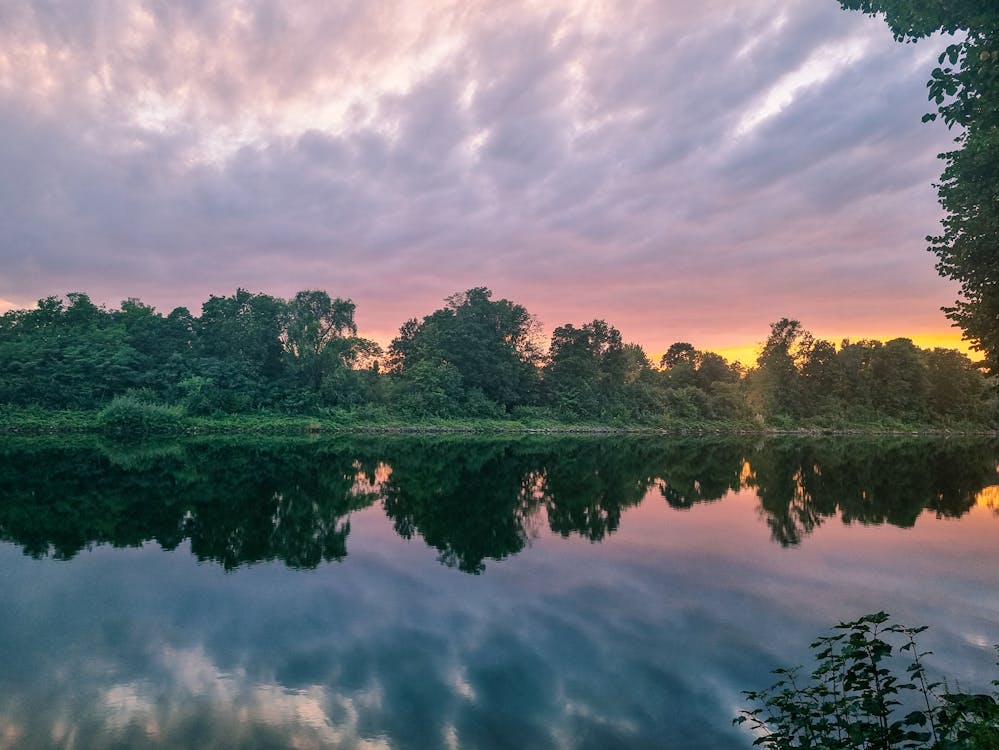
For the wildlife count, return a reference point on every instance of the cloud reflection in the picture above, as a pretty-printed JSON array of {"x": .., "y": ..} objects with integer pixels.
[{"x": 643, "y": 639}]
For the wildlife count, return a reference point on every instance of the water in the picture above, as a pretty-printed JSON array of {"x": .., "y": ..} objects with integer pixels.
[{"x": 404, "y": 593}]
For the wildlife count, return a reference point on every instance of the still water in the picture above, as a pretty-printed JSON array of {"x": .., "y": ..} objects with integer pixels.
[{"x": 474, "y": 593}]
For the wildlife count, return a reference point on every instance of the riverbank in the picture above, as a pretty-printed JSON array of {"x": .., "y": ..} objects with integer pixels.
[{"x": 168, "y": 420}]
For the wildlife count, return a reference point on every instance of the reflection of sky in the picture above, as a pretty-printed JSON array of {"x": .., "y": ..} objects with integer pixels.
[{"x": 643, "y": 640}]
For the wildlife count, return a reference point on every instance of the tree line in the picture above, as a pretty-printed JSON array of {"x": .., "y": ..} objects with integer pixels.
[{"x": 474, "y": 357}]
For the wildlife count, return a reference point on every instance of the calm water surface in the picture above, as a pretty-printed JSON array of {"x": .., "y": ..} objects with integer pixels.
[{"x": 441, "y": 593}]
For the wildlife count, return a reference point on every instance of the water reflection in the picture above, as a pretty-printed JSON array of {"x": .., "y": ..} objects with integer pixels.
[
  {"x": 644, "y": 640},
  {"x": 472, "y": 500},
  {"x": 801, "y": 484},
  {"x": 698, "y": 472}
]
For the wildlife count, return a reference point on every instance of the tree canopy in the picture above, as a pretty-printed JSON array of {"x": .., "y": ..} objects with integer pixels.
[
  {"x": 488, "y": 344},
  {"x": 475, "y": 357}
]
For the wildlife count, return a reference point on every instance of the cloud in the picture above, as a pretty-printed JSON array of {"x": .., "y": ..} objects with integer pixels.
[{"x": 710, "y": 167}]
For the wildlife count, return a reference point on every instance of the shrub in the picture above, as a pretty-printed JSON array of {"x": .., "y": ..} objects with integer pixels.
[
  {"x": 130, "y": 413},
  {"x": 200, "y": 395},
  {"x": 687, "y": 404},
  {"x": 856, "y": 696}
]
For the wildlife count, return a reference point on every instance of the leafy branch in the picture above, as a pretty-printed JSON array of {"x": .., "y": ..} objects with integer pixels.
[{"x": 857, "y": 698}]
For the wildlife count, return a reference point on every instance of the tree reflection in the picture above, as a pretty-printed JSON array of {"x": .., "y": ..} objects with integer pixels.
[
  {"x": 236, "y": 504},
  {"x": 585, "y": 486},
  {"x": 288, "y": 505},
  {"x": 802, "y": 483},
  {"x": 471, "y": 499},
  {"x": 699, "y": 471}
]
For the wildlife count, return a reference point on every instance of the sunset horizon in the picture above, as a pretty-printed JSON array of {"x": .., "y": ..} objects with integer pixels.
[
  {"x": 743, "y": 350},
  {"x": 489, "y": 374},
  {"x": 567, "y": 156}
]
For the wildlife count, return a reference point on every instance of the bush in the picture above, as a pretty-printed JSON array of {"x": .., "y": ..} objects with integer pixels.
[
  {"x": 856, "y": 696},
  {"x": 201, "y": 395},
  {"x": 687, "y": 404},
  {"x": 727, "y": 401},
  {"x": 130, "y": 413},
  {"x": 430, "y": 389}
]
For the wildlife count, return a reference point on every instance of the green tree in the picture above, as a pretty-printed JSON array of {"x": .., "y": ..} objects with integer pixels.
[
  {"x": 489, "y": 342},
  {"x": 965, "y": 89},
  {"x": 955, "y": 386},
  {"x": 855, "y": 358},
  {"x": 822, "y": 379},
  {"x": 899, "y": 380},
  {"x": 680, "y": 364},
  {"x": 587, "y": 367},
  {"x": 240, "y": 343},
  {"x": 777, "y": 385},
  {"x": 321, "y": 339},
  {"x": 431, "y": 389},
  {"x": 686, "y": 366},
  {"x": 713, "y": 368}
]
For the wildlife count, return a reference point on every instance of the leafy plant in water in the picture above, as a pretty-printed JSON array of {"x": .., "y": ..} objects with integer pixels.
[{"x": 856, "y": 698}]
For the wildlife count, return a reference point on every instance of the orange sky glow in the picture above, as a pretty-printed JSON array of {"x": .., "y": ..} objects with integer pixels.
[{"x": 561, "y": 153}]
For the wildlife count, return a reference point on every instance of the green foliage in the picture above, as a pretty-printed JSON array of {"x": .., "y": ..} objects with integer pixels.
[
  {"x": 965, "y": 89},
  {"x": 586, "y": 369},
  {"x": 953, "y": 384},
  {"x": 727, "y": 403},
  {"x": 688, "y": 404},
  {"x": 489, "y": 343},
  {"x": 200, "y": 395},
  {"x": 320, "y": 337},
  {"x": 778, "y": 388},
  {"x": 859, "y": 696},
  {"x": 892, "y": 384},
  {"x": 131, "y": 413},
  {"x": 431, "y": 389},
  {"x": 474, "y": 359}
]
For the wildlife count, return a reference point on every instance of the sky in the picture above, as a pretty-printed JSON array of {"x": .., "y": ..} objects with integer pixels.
[{"x": 685, "y": 171}]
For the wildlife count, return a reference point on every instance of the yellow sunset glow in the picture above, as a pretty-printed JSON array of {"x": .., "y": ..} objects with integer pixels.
[
  {"x": 989, "y": 498},
  {"x": 747, "y": 353}
]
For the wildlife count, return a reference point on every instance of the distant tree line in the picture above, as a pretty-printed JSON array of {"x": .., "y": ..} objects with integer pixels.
[{"x": 474, "y": 357}]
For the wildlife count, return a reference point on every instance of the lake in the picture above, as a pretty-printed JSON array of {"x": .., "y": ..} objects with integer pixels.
[{"x": 442, "y": 592}]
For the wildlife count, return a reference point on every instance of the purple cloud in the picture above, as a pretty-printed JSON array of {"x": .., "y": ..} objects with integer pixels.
[{"x": 686, "y": 172}]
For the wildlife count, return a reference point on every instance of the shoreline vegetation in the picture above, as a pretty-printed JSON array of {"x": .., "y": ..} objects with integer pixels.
[
  {"x": 870, "y": 689},
  {"x": 254, "y": 363},
  {"x": 156, "y": 420}
]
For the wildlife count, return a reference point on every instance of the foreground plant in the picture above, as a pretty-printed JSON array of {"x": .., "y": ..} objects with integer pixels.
[{"x": 860, "y": 697}]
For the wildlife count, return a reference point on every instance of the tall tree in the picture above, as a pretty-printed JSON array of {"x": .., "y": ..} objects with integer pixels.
[
  {"x": 490, "y": 343},
  {"x": 955, "y": 386},
  {"x": 778, "y": 386},
  {"x": 899, "y": 380},
  {"x": 965, "y": 89},
  {"x": 318, "y": 331},
  {"x": 586, "y": 368},
  {"x": 241, "y": 348}
]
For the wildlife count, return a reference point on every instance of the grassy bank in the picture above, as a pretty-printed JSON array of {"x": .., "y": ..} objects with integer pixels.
[{"x": 136, "y": 417}]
